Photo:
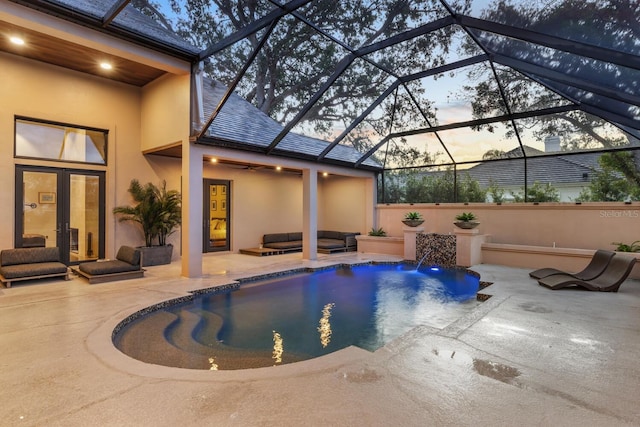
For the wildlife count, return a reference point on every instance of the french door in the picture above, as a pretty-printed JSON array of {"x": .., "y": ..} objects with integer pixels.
[
  {"x": 61, "y": 208},
  {"x": 217, "y": 232}
]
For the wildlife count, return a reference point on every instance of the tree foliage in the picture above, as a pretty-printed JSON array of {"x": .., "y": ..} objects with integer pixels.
[
  {"x": 296, "y": 60},
  {"x": 538, "y": 193},
  {"x": 608, "y": 23},
  {"x": 610, "y": 184},
  {"x": 415, "y": 187}
]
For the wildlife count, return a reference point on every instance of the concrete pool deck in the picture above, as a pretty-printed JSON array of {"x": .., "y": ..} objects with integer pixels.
[{"x": 527, "y": 356}]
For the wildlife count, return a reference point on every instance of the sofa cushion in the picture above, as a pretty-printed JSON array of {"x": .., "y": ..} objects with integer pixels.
[
  {"x": 129, "y": 255},
  {"x": 275, "y": 237},
  {"x": 295, "y": 236},
  {"x": 324, "y": 234},
  {"x": 295, "y": 244},
  {"x": 29, "y": 256},
  {"x": 107, "y": 267},
  {"x": 17, "y": 271},
  {"x": 330, "y": 244}
]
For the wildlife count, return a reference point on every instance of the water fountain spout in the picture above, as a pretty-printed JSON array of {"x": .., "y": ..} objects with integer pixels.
[{"x": 422, "y": 260}]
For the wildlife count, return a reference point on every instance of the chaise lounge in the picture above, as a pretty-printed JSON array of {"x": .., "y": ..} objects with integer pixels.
[
  {"x": 127, "y": 265},
  {"x": 609, "y": 281},
  {"x": 596, "y": 266}
]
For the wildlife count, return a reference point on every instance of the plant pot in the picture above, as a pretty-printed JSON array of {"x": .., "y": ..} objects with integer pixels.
[
  {"x": 156, "y": 255},
  {"x": 412, "y": 222},
  {"x": 467, "y": 225}
]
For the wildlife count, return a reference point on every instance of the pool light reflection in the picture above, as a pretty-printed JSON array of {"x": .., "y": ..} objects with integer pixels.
[
  {"x": 325, "y": 325},
  {"x": 214, "y": 365},
  {"x": 278, "y": 348}
]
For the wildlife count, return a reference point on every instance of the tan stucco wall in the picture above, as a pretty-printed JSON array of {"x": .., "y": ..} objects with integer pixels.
[
  {"x": 264, "y": 201},
  {"x": 585, "y": 226},
  {"x": 37, "y": 90},
  {"x": 261, "y": 202},
  {"x": 342, "y": 204},
  {"x": 165, "y": 112}
]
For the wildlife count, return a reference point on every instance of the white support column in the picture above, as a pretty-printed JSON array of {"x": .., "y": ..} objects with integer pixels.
[
  {"x": 310, "y": 214},
  {"x": 192, "y": 221}
]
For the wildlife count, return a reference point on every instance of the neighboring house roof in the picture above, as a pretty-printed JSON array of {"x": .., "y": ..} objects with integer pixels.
[
  {"x": 240, "y": 121},
  {"x": 570, "y": 169}
]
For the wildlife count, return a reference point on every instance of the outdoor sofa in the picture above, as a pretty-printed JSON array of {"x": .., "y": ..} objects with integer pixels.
[
  {"x": 31, "y": 263},
  {"x": 127, "y": 265},
  {"x": 328, "y": 241}
]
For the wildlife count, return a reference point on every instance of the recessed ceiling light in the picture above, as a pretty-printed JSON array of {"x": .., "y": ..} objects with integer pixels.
[
  {"x": 325, "y": 174},
  {"x": 16, "y": 40},
  {"x": 106, "y": 66},
  {"x": 214, "y": 160},
  {"x": 278, "y": 168}
]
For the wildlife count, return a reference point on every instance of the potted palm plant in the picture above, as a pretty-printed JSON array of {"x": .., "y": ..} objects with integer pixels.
[{"x": 159, "y": 213}]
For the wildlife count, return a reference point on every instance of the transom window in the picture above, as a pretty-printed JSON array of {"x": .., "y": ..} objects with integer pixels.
[{"x": 37, "y": 139}]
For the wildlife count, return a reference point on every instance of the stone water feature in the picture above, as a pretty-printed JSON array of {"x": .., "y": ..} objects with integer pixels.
[{"x": 440, "y": 249}]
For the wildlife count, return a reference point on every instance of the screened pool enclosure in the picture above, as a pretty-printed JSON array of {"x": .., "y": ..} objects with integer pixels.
[{"x": 466, "y": 100}]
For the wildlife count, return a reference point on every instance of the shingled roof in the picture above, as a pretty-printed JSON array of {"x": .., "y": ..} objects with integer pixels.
[
  {"x": 242, "y": 123},
  {"x": 570, "y": 169}
]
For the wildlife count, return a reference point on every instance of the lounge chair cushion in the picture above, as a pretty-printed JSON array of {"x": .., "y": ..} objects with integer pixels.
[
  {"x": 129, "y": 255},
  {"x": 127, "y": 259},
  {"x": 28, "y": 263},
  {"x": 29, "y": 256},
  {"x": 17, "y": 271}
]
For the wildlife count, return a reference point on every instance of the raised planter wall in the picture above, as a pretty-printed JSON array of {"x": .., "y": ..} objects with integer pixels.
[
  {"x": 381, "y": 245},
  {"x": 526, "y": 256},
  {"x": 561, "y": 235}
]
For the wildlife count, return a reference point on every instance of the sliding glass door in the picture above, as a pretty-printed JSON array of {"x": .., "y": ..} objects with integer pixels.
[{"x": 61, "y": 208}]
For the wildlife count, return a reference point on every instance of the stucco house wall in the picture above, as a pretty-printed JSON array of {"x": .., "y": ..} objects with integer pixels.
[{"x": 41, "y": 91}]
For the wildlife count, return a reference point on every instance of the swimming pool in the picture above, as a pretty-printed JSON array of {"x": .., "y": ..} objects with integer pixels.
[{"x": 300, "y": 316}]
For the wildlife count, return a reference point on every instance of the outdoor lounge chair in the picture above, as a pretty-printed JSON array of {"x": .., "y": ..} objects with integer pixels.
[
  {"x": 127, "y": 265},
  {"x": 609, "y": 281},
  {"x": 596, "y": 266}
]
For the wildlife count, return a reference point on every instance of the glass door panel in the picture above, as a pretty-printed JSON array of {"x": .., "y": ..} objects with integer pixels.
[
  {"x": 84, "y": 218},
  {"x": 216, "y": 214},
  {"x": 61, "y": 208},
  {"x": 39, "y": 211}
]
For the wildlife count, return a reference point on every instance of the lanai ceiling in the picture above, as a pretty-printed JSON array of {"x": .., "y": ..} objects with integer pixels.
[{"x": 405, "y": 83}]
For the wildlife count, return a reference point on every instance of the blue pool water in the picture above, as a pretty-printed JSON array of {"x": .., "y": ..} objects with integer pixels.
[{"x": 300, "y": 316}]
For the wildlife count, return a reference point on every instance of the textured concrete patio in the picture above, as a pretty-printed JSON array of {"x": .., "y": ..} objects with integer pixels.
[{"x": 528, "y": 356}]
